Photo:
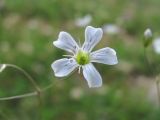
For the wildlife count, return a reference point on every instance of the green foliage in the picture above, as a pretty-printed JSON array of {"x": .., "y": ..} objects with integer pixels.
[{"x": 27, "y": 31}]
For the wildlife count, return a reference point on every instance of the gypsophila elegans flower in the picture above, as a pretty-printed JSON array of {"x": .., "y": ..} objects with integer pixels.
[
  {"x": 156, "y": 45},
  {"x": 82, "y": 57}
]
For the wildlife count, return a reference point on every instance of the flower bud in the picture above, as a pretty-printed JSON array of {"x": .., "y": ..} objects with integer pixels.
[
  {"x": 148, "y": 33},
  {"x": 147, "y": 37},
  {"x": 2, "y": 67}
]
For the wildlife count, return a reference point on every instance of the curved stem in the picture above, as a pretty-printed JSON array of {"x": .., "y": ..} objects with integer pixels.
[
  {"x": 147, "y": 61},
  {"x": 19, "y": 96},
  {"x": 26, "y": 74},
  {"x": 38, "y": 90},
  {"x": 27, "y": 94},
  {"x": 34, "y": 93}
]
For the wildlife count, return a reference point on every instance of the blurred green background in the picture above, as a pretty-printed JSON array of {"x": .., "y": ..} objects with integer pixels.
[{"x": 27, "y": 31}]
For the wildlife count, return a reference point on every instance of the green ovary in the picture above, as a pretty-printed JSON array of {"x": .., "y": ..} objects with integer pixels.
[{"x": 82, "y": 58}]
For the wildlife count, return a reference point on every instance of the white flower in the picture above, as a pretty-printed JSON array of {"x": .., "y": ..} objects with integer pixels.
[
  {"x": 148, "y": 33},
  {"x": 82, "y": 57},
  {"x": 156, "y": 45},
  {"x": 111, "y": 29},
  {"x": 84, "y": 21}
]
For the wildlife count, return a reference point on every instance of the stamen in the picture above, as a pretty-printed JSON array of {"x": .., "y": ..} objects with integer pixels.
[
  {"x": 68, "y": 56},
  {"x": 79, "y": 43},
  {"x": 79, "y": 69}
]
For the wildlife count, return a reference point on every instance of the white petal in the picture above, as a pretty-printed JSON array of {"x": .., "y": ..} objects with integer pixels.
[
  {"x": 92, "y": 37},
  {"x": 105, "y": 55},
  {"x": 82, "y": 22},
  {"x": 66, "y": 42},
  {"x": 63, "y": 67},
  {"x": 156, "y": 45},
  {"x": 111, "y": 29},
  {"x": 92, "y": 75}
]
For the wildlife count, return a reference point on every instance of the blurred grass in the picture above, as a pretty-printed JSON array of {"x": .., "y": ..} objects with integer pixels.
[{"x": 27, "y": 30}]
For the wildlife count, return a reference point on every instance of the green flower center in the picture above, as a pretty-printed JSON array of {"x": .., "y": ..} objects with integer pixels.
[{"x": 82, "y": 57}]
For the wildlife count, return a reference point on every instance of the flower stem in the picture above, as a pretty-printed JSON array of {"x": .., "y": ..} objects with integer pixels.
[
  {"x": 35, "y": 93},
  {"x": 19, "y": 96},
  {"x": 147, "y": 61},
  {"x": 26, "y": 74},
  {"x": 38, "y": 90}
]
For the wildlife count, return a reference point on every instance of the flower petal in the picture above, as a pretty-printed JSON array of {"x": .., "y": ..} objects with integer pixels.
[
  {"x": 84, "y": 21},
  {"x": 92, "y": 75},
  {"x": 156, "y": 45},
  {"x": 105, "y": 55},
  {"x": 66, "y": 42},
  {"x": 92, "y": 37},
  {"x": 63, "y": 67}
]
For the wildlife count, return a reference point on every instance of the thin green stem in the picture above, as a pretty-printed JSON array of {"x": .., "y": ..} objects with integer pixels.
[
  {"x": 34, "y": 93},
  {"x": 27, "y": 94},
  {"x": 26, "y": 74},
  {"x": 19, "y": 96},
  {"x": 147, "y": 61},
  {"x": 37, "y": 88}
]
